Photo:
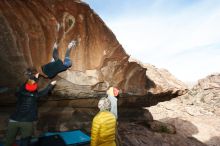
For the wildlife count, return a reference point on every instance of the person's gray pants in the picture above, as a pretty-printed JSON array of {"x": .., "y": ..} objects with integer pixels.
[{"x": 26, "y": 129}]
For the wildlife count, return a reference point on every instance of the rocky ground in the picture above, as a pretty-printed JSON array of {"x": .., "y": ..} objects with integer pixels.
[
  {"x": 132, "y": 134},
  {"x": 195, "y": 114}
]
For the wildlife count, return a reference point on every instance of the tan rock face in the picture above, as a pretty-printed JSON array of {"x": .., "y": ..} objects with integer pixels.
[
  {"x": 30, "y": 28},
  {"x": 164, "y": 81}
]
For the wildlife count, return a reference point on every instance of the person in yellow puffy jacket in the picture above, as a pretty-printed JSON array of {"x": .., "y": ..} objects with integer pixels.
[{"x": 103, "y": 125}]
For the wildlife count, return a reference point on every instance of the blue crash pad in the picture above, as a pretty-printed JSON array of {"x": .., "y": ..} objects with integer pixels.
[{"x": 71, "y": 137}]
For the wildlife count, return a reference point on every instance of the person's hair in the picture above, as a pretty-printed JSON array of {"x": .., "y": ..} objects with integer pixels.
[
  {"x": 104, "y": 104},
  {"x": 109, "y": 87},
  {"x": 31, "y": 81},
  {"x": 112, "y": 91},
  {"x": 30, "y": 71}
]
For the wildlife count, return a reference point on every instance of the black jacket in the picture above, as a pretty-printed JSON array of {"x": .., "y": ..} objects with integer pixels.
[
  {"x": 26, "y": 109},
  {"x": 53, "y": 68}
]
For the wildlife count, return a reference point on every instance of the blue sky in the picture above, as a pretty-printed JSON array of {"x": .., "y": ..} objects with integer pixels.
[{"x": 182, "y": 36}]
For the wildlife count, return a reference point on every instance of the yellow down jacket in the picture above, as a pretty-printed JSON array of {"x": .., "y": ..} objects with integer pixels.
[{"x": 103, "y": 129}]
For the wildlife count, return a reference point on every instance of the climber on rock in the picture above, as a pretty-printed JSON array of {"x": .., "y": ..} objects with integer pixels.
[{"x": 56, "y": 66}]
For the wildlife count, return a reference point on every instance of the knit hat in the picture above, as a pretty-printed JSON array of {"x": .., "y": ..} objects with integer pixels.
[
  {"x": 31, "y": 87},
  {"x": 104, "y": 104},
  {"x": 112, "y": 91}
]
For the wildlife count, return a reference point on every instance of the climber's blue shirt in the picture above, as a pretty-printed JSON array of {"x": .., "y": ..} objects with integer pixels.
[{"x": 53, "y": 68}]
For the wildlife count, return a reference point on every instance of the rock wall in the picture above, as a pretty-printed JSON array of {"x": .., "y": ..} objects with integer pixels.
[{"x": 29, "y": 28}]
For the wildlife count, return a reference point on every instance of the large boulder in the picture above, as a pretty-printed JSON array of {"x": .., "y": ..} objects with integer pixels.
[
  {"x": 200, "y": 106},
  {"x": 29, "y": 28}
]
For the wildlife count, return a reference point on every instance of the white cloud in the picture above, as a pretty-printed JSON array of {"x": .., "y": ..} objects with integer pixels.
[
  {"x": 152, "y": 39},
  {"x": 169, "y": 35}
]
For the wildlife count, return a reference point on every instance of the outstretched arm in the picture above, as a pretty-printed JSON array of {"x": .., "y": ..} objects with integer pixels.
[{"x": 47, "y": 89}]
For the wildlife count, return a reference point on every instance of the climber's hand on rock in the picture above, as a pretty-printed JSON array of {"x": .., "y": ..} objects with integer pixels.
[
  {"x": 37, "y": 75},
  {"x": 53, "y": 82}
]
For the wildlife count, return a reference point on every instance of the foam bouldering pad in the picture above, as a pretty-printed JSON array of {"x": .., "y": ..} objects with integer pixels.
[
  {"x": 76, "y": 137},
  {"x": 52, "y": 140}
]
